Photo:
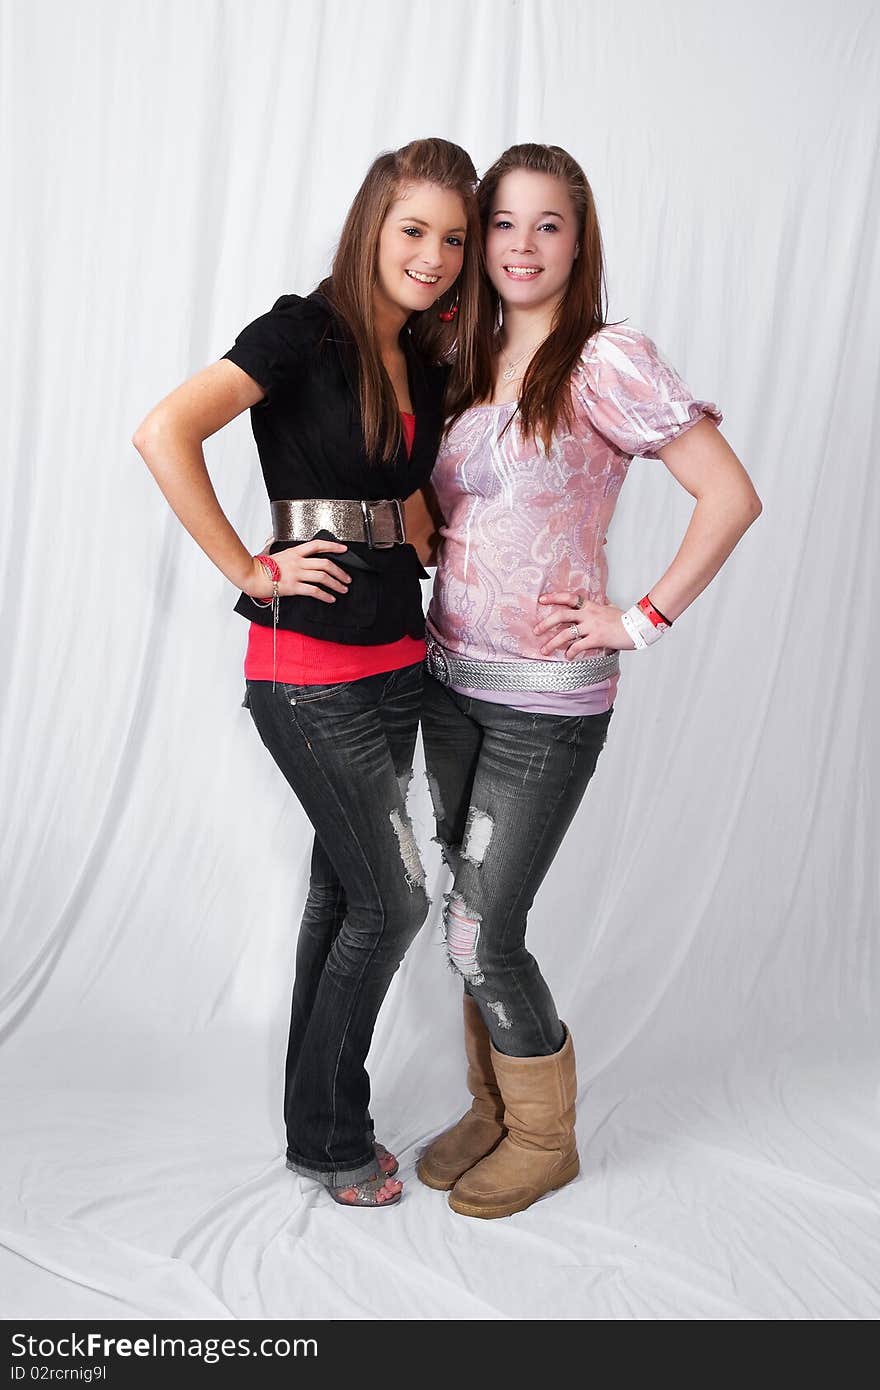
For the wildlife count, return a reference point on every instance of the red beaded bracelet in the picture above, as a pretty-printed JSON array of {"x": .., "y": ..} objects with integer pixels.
[
  {"x": 271, "y": 566},
  {"x": 653, "y": 614},
  {"x": 273, "y": 569}
]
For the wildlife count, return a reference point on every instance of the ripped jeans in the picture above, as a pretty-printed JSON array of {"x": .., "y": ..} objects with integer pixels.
[
  {"x": 505, "y": 785},
  {"x": 346, "y": 750}
]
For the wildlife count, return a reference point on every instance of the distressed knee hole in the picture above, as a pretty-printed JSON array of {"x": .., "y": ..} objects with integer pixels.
[
  {"x": 461, "y": 928},
  {"x": 500, "y": 1013},
  {"x": 477, "y": 836},
  {"x": 409, "y": 850}
]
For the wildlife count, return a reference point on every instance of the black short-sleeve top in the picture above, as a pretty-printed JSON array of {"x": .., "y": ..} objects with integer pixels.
[{"x": 309, "y": 438}]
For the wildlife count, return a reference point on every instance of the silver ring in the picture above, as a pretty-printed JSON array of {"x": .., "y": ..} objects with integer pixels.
[
  {"x": 580, "y": 601},
  {"x": 575, "y": 631}
]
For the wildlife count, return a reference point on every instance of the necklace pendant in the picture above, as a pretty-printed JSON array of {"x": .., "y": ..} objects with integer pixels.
[{"x": 508, "y": 374}]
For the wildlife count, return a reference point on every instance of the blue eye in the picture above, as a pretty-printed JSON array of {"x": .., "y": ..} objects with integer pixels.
[
  {"x": 455, "y": 241},
  {"x": 411, "y": 231},
  {"x": 500, "y": 226},
  {"x": 548, "y": 227}
]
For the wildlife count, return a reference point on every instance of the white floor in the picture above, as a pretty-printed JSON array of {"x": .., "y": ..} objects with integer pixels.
[{"x": 144, "y": 1179}]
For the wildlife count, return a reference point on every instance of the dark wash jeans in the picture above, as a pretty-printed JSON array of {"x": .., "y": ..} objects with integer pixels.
[
  {"x": 346, "y": 750},
  {"x": 505, "y": 786}
]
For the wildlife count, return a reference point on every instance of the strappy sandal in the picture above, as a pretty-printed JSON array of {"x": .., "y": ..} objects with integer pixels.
[
  {"x": 366, "y": 1193},
  {"x": 381, "y": 1154}
]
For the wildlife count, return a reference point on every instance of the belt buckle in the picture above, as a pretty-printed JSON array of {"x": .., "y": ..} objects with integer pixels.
[
  {"x": 399, "y": 523},
  {"x": 438, "y": 666}
]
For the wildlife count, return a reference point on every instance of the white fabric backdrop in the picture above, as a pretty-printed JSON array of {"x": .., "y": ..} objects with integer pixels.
[{"x": 709, "y": 927}]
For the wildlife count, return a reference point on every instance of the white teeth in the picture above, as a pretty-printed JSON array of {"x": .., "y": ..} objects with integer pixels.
[
  {"x": 423, "y": 279},
  {"x": 523, "y": 272}
]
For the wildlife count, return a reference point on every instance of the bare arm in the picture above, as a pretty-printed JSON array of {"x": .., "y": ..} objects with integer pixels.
[
  {"x": 702, "y": 461},
  {"x": 170, "y": 439}
]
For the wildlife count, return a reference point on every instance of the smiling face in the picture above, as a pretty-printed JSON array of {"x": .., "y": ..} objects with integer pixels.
[
  {"x": 531, "y": 239},
  {"x": 421, "y": 248}
]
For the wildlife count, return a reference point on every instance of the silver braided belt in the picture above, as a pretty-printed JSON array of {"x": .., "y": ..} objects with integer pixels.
[
  {"x": 518, "y": 675},
  {"x": 379, "y": 524}
]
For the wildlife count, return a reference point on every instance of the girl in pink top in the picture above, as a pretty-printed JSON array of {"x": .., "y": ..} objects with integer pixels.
[{"x": 523, "y": 643}]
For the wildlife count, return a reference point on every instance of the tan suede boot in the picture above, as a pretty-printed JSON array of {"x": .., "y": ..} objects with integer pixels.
[
  {"x": 539, "y": 1153},
  {"x": 481, "y": 1129}
]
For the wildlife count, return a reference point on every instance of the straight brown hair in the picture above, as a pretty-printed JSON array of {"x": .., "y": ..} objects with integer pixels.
[
  {"x": 350, "y": 285},
  {"x": 545, "y": 397}
]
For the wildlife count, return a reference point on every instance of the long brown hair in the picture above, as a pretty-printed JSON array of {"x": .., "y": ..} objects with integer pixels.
[
  {"x": 545, "y": 397},
  {"x": 353, "y": 277}
]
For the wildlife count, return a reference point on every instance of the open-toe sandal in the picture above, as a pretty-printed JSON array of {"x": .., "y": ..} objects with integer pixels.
[
  {"x": 366, "y": 1193},
  {"x": 382, "y": 1154}
]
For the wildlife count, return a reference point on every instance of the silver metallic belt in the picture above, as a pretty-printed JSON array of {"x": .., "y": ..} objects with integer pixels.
[
  {"x": 379, "y": 524},
  {"x": 518, "y": 675}
]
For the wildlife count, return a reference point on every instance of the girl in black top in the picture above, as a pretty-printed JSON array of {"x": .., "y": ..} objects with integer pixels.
[{"x": 326, "y": 378}]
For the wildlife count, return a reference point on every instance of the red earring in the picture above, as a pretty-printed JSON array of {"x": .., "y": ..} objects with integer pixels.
[{"x": 447, "y": 315}]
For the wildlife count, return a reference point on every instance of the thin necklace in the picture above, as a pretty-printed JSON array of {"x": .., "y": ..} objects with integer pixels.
[{"x": 510, "y": 370}]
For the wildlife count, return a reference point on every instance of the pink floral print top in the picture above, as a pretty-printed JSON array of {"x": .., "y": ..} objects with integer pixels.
[{"x": 520, "y": 522}]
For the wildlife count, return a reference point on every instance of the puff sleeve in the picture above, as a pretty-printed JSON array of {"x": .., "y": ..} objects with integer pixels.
[
  {"x": 275, "y": 346},
  {"x": 632, "y": 396}
]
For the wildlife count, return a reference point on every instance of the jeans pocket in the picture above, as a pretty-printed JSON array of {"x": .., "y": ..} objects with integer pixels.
[{"x": 308, "y": 694}]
